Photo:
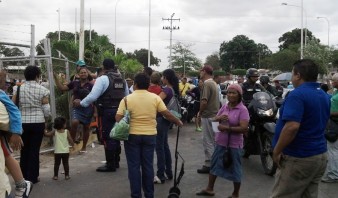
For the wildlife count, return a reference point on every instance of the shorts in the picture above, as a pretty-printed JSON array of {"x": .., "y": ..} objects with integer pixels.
[{"x": 5, "y": 145}]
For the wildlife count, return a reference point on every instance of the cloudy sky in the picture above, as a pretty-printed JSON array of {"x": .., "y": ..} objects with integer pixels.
[{"x": 204, "y": 23}]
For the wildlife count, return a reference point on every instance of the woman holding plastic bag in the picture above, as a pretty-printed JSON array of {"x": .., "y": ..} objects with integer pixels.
[{"x": 233, "y": 119}]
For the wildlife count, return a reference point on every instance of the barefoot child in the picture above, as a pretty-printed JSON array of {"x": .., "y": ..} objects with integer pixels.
[{"x": 62, "y": 139}]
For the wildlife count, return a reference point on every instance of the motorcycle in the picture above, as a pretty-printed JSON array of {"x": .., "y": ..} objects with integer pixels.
[
  {"x": 262, "y": 110},
  {"x": 187, "y": 108}
]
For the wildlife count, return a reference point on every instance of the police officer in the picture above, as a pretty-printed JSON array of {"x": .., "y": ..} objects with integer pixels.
[
  {"x": 264, "y": 80},
  {"x": 250, "y": 87},
  {"x": 108, "y": 90}
]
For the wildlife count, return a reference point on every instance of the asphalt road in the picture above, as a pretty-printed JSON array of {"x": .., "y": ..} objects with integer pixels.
[{"x": 85, "y": 182}]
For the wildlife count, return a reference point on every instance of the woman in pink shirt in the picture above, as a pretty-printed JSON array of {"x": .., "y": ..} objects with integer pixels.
[{"x": 234, "y": 119}]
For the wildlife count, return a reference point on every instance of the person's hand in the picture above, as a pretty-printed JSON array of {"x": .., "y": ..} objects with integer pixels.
[
  {"x": 16, "y": 142},
  {"x": 223, "y": 118},
  {"x": 180, "y": 123},
  {"x": 277, "y": 158},
  {"x": 76, "y": 103}
]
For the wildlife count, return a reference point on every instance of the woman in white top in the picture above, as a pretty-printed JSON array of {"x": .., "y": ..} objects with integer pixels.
[{"x": 33, "y": 102}]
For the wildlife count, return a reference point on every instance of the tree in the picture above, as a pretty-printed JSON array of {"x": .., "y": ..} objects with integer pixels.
[
  {"x": 282, "y": 60},
  {"x": 213, "y": 60},
  {"x": 10, "y": 51},
  {"x": 240, "y": 52},
  {"x": 320, "y": 54},
  {"x": 142, "y": 57},
  {"x": 130, "y": 67},
  {"x": 183, "y": 58},
  {"x": 293, "y": 37}
]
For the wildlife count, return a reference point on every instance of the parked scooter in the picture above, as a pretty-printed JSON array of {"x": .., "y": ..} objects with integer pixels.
[{"x": 262, "y": 110}]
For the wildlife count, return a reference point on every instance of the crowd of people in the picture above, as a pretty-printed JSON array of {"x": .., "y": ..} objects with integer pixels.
[{"x": 299, "y": 146}]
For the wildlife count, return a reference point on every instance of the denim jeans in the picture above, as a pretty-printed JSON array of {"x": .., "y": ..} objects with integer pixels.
[
  {"x": 162, "y": 149},
  {"x": 140, "y": 157}
]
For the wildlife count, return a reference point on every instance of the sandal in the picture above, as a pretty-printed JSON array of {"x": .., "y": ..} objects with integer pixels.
[
  {"x": 55, "y": 178},
  {"x": 67, "y": 177},
  {"x": 205, "y": 193},
  {"x": 82, "y": 152}
]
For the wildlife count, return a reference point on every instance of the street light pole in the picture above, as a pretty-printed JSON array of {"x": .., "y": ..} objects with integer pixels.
[
  {"x": 301, "y": 31},
  {"x": 171, "y": 31},
  {"x": 328, "y": 29},
  {"x": 58, "y": 10},
  {"x": 115, "y": 27},
  {"x": 149, "y": 33}
]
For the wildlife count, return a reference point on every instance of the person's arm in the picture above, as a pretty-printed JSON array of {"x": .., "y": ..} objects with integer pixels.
[
  {"x": 59, "y": 85},
  {"x": 242, "y": 128},
  {"x": 70, "y": 139},
  {"x": 169, "y": 116},
  {"x": 15, "y": 125},
  {"x": 49, "y": 133},
  {"x": 126, "y": 89},
  {"x": 101, "y": 84},
  {"x": 287, "y": 135},
  {"x": 118, "y": 117}
]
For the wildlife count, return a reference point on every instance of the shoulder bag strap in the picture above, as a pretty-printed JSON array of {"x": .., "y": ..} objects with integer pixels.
[{"x": 17, "y": 96}]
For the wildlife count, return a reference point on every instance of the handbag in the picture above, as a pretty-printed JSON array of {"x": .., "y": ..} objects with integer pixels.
[
  {"x": 331, "y": 132},
  {"x": 174, "y": 106},
  {"x": 120, "y": 130},
  {"x": 227, "y": 157}
]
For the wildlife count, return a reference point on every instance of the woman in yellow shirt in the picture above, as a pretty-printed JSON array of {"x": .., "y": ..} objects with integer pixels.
[{"x": 140, "y": 146}]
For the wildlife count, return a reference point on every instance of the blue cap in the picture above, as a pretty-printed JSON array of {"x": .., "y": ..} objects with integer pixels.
[{"x": 80, "y": 63}]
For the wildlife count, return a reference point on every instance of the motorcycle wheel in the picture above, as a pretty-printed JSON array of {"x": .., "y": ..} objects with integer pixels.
[{"x": 266, "y": 154}]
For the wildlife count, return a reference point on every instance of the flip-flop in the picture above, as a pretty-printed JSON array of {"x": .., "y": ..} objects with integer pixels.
[
  {"x": 205, "y": 193},
  {"x": 82, "y": 152}
]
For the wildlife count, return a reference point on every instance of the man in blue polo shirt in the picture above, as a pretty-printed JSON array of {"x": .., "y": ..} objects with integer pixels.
[{"x": 299, "y": 142}]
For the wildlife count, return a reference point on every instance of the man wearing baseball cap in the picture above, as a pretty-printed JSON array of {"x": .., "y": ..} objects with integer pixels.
[{"x": 209, "y": 105}]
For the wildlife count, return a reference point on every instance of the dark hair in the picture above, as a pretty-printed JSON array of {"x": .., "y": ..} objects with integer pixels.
[
  {"x": 32, "y": 72},
  {"x": 59, "y": 123},
  {"x": 324, "y": 87},
  {"x": 171, "y": 77},
  {"x": 148, "y": 71},
  {"x": 108, "y": 64},
  {"x": 307, "y": 69},
  {"x": 142, "y": 81},
  {"x": 90, "y": 78}
]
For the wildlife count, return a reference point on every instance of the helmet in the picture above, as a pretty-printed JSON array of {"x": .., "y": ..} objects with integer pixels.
[
  {"x": 264, "y": 79},
  {"x": 252, "y": 72},
  {"x": 80, "y": 63}
]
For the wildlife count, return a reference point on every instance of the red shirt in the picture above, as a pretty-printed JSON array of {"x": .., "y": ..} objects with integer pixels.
[{"x": 156, "y": 89}]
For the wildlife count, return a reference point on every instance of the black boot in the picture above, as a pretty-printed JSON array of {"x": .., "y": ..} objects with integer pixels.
[{"x": 110, "y": 164}]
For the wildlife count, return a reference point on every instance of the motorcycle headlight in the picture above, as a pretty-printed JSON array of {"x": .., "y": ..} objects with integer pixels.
[{"x": 262, "y": 112}]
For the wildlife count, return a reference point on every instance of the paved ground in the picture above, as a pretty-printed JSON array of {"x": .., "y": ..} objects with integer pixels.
[{"x": 85, "y": 182}]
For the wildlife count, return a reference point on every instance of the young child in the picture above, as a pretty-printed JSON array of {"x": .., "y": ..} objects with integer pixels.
[{"x": 62, "y": 139}]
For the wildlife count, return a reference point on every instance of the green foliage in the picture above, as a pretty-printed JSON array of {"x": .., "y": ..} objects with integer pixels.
[
  {"x": 213, "y": 60},
  {"x": 283, "y": 60},
  {"x": 241, "y": 52},
  {"x": 142, "y": 57},
  {"x": 239, "y": 72},
  {"x": 219, "y": 73},
  {"x": 320, "y": 54},
  {"x": 11, "y": 51},
  {"x": 130, "y": 67},
  {"x": 183, "y": 56},
  {"x": 294, "y": 37}
]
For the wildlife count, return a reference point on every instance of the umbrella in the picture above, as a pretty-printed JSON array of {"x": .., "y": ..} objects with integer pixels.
[{"x": 283, "y": 77}]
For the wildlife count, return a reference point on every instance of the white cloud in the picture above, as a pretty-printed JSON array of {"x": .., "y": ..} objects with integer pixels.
[{"x": 203, "y": 22}]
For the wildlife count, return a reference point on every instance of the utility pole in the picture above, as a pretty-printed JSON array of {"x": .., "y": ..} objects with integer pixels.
[
  {"x": 90, "y": 24},
  {"x": 75, "y": 23},
  {"x": 32, "y": 48},
  {"x": 81, "y": 44},
  {"x": 58, "y": 10},
  {"x": 171, "y": 28},
  {"x": 149, "y": 33}
]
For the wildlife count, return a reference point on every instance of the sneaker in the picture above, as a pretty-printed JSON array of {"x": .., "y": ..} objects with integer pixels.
[
  {"x": 329, "y": 180},
  {"x": 24, "y": 192},
  {"x": 204, "y": 170},
  {"x": 199, "y": 129},
  {"x": 158, "y": 181}
]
